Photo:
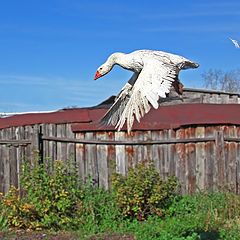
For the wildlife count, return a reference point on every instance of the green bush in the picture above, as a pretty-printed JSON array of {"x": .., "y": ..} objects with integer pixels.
[
  {"x": 3, "y": 219},
  {"x": 210, "y": 215},
  {"x": 47, "y": 200},
  {"x": 99, "y": 212},
  {"x": 210, "y": 209},
  {"x": 143, "y": 193},
  {"x": 202, "y": 216}
]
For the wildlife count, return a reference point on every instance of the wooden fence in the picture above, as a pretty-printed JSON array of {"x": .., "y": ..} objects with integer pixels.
[{"x": 202, "y": 157}]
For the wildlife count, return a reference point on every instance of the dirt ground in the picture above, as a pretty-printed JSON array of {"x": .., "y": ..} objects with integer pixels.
[{"x": 23, "y": 235}]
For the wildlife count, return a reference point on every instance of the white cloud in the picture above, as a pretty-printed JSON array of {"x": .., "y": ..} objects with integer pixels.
[
  {"x": 46, "y": 93},
  {"x": 195, "y": 29},
  {"x": 23, "y": 80},
  {"x": 204, "y": 13}
]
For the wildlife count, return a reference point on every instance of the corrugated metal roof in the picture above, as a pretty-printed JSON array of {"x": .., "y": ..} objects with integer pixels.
[
  {"x": 165, "y": 117},
  {"x": 172, "y": 117},
  {"x": 58, "y": 117}
]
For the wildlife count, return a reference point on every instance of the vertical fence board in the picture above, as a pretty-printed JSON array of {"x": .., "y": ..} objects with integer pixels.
[
  {"x": 45, "y": 132},
  {"x": 6, "y": 161},
  {"x": 171, "y": 150},
  {"x": 120, "y": 154},
  {"x": 238, "y": 163},
  {"x": 111, "y": 157},
  {"x": 220, "y": 159},
  {"x": 91, "y": 158},
  {"x": 190, "y": 153},
  {"x": 70, "y": 146},
  {"x": 165, "y": 156},
  {"x": 129, "y": 151},
  {"x": 147, "y": 149},
  {"x": 200, "y": 158},
  {"x": 209, "y": 173},
  {"x": 80, "y": 157},
  {"x": 231, "y": 160},
  {"x": 102, "y": 161},
  {"x": 20, "y": 152},
  {"x": 137, "y": 149},
  {"x": 52, "y": 145},
  {"x": 1, "y": 165},
  {"x": 61, "y": 146},
  {"x": 155, "y": 152},
  {"x": 28, "y": 152},
  {"x": 13, "y": 160},
  {"x": 140, "y": 148},
  {"x": 181, "y": 160},
  {"x": 161, "y": 155}
]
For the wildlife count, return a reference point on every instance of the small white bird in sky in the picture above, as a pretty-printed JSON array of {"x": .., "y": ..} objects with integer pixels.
[
  {"x": 235, "y": 42},
  {"x": 155, "y": 72}
]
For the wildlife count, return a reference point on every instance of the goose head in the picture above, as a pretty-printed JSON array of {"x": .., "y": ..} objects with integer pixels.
[
  {"x": 102, "y": 70},
  {"x": 107, "y": 66}
]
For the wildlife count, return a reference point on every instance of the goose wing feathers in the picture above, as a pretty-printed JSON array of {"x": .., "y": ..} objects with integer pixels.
[{"x": 134, "y": 100}]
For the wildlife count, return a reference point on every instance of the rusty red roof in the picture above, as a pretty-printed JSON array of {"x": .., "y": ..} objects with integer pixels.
[
  {"x": 58, "y": 117},
  {"x": 165, "y": 117}
]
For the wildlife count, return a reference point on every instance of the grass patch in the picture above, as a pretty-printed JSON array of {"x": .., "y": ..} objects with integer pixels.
[{"x": 141, "y": 206}]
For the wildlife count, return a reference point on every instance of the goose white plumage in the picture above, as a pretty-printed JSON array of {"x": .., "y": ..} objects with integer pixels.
[
  {"x": 235, "y": 42},
  {"x": 154, "y": 74}
]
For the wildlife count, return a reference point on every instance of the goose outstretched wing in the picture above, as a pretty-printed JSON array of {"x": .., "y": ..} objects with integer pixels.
[{"x": 134, "y": 101}]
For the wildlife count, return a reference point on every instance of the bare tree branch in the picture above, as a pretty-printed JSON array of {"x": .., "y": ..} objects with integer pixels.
[{"x": 218, "y": 80}]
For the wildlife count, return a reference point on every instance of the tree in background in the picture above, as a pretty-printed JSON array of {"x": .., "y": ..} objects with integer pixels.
[{"x": 219, "y": 80}]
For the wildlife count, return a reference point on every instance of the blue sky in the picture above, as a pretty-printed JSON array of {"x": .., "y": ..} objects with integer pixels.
[{"x": 50, "y": 49}]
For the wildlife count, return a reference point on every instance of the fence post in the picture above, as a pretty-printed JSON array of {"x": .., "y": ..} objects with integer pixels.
[
  {"x": 40, "y": 145},
  {"x": 37, "y": 145}
]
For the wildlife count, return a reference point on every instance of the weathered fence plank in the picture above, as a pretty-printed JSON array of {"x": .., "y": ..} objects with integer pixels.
[
  {"x": 80, "y": 157},
  {"x": 13, "y": 160},
  {"x": 111, "y": 157},
  {"x": 91, "y": 157},
  {"x": 181, "y": 160},
  {"x": 6, "y": 161},
  {"x": 2, "y": 174},
  {"x": 129, "y": 151},
  {"x": 155, "y": 150},
  {"x": 209, "y": 173},
  {"x": 120, "y": 154},
  {"x": 201, "y": 158},
  {"x": 220, "y": 169},
  {"x": 61, "y": 146},
  {"x": 190, "y": 153},
  {"x": 102, "y": 162},
  {"x": 70, "y": 152}
]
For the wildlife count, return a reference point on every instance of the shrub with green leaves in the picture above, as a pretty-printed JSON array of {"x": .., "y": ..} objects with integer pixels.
[
  {"x": 3, "y": 219},
  {"x": 47, "y": 200},
  {"x": 98, "y": 212},
  {"x": 143, "y": 193}
]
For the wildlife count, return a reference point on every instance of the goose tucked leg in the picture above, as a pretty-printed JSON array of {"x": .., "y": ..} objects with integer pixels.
[{"x": 178, "y": 86}]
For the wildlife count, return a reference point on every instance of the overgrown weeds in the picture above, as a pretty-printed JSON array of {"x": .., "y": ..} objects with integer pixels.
[{"x": 140, "y": 204}]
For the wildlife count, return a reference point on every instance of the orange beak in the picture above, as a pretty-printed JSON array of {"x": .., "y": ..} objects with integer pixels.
[{"x": 97, "y": 75}]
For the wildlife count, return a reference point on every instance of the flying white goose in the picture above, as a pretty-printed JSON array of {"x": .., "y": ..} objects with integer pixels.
[
  {"x": 235, "y": 42},
  {"x": 154, "y": 74}
]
